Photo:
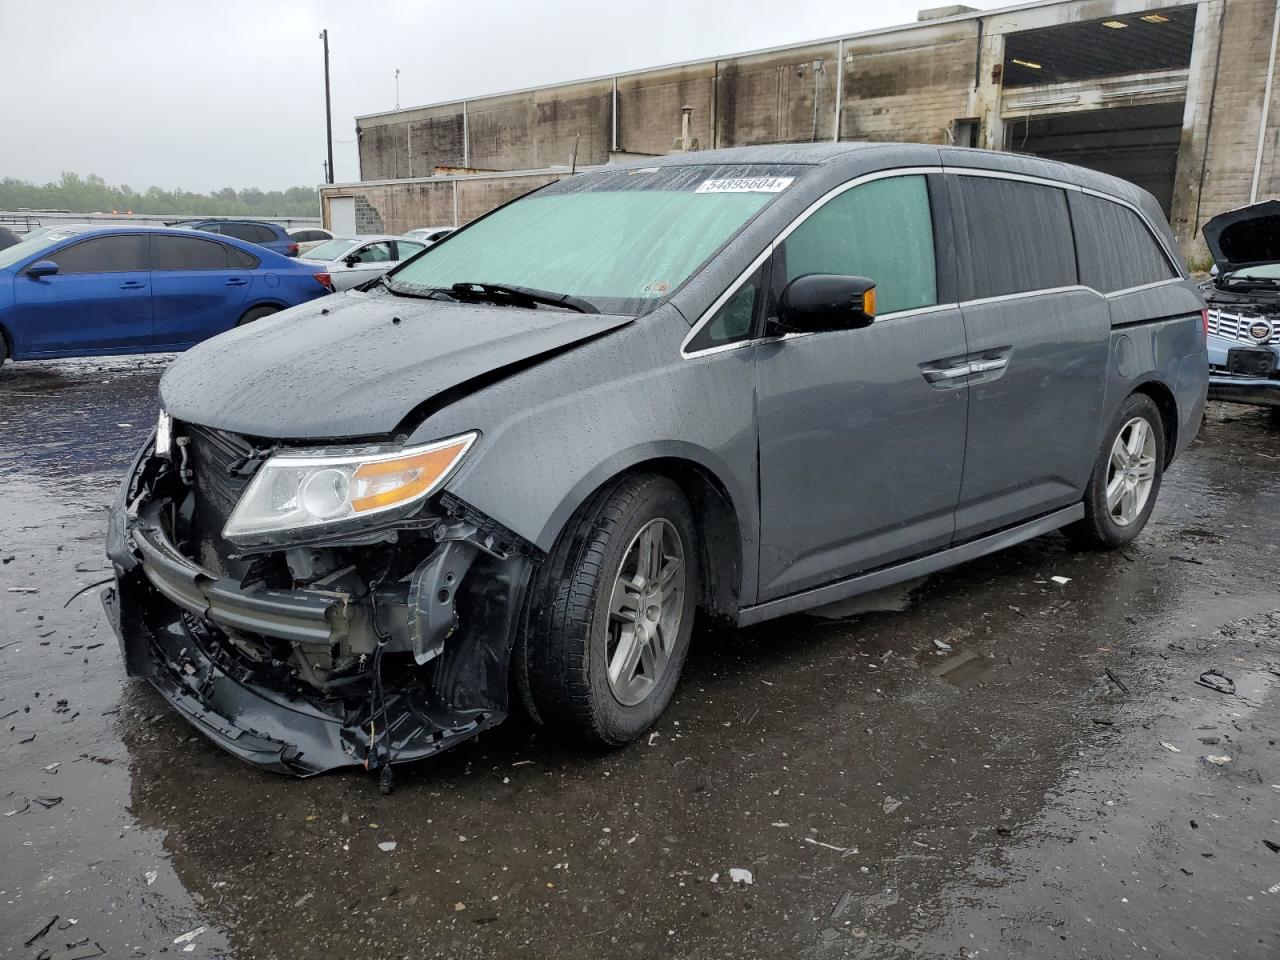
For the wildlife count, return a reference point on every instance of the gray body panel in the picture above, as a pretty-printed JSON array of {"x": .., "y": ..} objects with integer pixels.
[{"x": 882, "y": 452}]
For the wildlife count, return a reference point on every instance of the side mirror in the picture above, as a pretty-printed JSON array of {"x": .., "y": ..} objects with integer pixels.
[
  {"x": 42, "y": 268},
  {"x": 351, "y": 261},
  {"x": 818, "y": 302}
]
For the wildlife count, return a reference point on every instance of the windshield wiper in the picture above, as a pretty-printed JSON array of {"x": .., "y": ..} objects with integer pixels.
[
  {"x": 420, "y": 293},
  {"x": 520, "y": 296}
]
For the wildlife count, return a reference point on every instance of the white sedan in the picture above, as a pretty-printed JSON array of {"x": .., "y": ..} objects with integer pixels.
[{"x": 350, "y": 261}]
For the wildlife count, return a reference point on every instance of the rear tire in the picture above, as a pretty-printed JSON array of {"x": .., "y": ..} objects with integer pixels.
[
  {"x": 4, "y": 348},
  {"x": 1126, "y": 479},
  {"x": 1275, "y": 416},
  {"x": 611, "y": 614},
  {"x": 257, "y": 313}
]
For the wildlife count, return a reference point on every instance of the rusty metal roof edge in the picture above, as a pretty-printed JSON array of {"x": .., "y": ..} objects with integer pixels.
[{"x": 820, "y": 41}]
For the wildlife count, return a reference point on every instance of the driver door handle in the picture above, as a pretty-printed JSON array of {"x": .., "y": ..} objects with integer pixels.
[
  {"x": 237, "y": 282},
  {"x": 132, "y": 285}
]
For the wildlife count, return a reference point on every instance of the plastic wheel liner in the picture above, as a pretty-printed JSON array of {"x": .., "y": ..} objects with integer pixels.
[{"x": 236, "y": 657}]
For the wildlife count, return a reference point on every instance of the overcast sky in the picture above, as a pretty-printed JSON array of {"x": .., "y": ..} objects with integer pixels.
[{"x": 209, "y": 95}]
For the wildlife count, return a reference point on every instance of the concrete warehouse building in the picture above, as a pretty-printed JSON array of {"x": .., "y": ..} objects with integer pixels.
[{"x": 1177, "y": 97}]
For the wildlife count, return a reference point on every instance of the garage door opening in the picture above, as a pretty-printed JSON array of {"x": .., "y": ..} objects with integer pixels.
[{"x": 1138, "y": 143}]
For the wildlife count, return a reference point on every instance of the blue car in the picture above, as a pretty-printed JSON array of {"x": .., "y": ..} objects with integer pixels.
[
  {"x": 262, "y": 232},
  {"x": 91, "y": 291}
]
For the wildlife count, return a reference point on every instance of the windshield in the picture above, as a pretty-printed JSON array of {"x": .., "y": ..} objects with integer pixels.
[
  {"x": 1256, "y": 271},
  {"x": 622, "y": 240},
  {"x": 20, "y": 251},
  {"x": 330, "y": 249}
]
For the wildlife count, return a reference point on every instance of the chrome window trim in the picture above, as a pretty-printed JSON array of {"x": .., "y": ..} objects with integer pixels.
[
  {"x": 732, "y": 289},
  {"x": 1144, "y": 286}
]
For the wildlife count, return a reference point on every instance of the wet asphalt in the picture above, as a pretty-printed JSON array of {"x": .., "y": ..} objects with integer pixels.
[{"x": 988, "y": 763}]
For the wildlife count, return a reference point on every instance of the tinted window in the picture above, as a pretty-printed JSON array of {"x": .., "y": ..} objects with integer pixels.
[
  {"x": 210, "y": 227},
  {"x": 116, "y": 254},
  {"x": 188, "y": 253},
  {"x": 734, "y": 320},
  {"x": 241, "y": 259},
  {"x": 1019, "y": 236},
  {"x": 306, "y": 236},
  {"x": 882, "y": 230},
  {"x": 1116, "y": 249},
  {"x": 241, "y": 231},
  {"x": 407, "y": 248},
  {"x": 262, "y": 234}
]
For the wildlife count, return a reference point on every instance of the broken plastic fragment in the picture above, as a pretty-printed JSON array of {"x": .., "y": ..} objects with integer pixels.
[
  {"x": 387, "y": 846},
  {"x": 189, "y": 935},
  {"x": 1218, "y": 760},
  {"x": 739, "y": 875}
]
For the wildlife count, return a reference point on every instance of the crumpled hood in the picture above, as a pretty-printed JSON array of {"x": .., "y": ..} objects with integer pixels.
[
  {"x": 1248, "y": 235},
  {"x": 343, "y": 367}
]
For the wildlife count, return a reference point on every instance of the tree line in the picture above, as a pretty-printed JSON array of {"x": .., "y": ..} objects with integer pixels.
[{"x": 92, "y": 194}]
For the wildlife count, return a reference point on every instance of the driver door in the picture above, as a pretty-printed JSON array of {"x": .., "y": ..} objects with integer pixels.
[{"x": 862, "y": 432}]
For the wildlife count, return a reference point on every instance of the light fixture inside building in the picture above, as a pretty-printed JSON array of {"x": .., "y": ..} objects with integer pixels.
[
  {"x": 1114, "y": 24},
  {"x": 1155, "y": 18},
  {"x": 1026, "y": 63}
]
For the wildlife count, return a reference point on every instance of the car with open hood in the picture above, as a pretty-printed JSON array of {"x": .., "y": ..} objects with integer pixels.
[
  {"x": 1244, "y": 305},
  {"x": 735, "y": 385}
]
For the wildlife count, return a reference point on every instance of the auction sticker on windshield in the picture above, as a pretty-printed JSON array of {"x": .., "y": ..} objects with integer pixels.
[{"x": 746, "y": 185}]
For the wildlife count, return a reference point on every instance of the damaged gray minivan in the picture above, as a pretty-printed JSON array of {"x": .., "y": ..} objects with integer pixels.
[{"x": 740, "y": 383}]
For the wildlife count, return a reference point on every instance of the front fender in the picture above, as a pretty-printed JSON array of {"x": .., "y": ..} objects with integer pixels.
[{"x": 553, "y": 434}]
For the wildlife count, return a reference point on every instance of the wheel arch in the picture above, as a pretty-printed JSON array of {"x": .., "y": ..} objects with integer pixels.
[
  {"x": 6, "y": 340},
  {"x": 722, "y": 540},
  {"x": 1167, "y": 404}
]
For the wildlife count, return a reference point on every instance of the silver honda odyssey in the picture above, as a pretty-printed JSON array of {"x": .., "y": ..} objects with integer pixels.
[{"x": 738, "y": 384}]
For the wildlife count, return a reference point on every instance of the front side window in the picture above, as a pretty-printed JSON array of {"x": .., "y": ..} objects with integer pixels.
[
  {"x": 882, "y": 230},
  {"x": 117, "y": 254},
  {"x": 407, "y": 248},
  {"x": 623, "y": 240},
  {"x": 334, "y": 249}
]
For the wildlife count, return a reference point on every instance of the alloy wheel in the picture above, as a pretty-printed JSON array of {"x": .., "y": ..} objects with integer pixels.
[
  {"x": 1131, "y": 471},
  {"x": 645, "y": 609}
]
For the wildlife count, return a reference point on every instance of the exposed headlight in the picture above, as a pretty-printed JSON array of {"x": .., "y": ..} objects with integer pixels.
[{"x": 294, "y": 491}]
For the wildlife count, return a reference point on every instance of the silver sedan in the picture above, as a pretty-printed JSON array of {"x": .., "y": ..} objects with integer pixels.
[{"x": 350, "y": 261}]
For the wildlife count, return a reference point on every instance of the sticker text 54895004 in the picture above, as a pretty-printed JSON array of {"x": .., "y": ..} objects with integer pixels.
[{"x": 746, "y": 185}]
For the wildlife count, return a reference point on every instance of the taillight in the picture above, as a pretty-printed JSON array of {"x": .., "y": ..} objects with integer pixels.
[
  {"x": 1204, "y": 319},
  {"x": 293, "y": 249},
  {"x": 324, "y": 280}
]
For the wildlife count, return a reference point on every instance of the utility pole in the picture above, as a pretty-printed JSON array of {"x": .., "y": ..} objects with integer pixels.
[
  {"x": 328, "y": 112},
  {"x": 397, "y": 88}
]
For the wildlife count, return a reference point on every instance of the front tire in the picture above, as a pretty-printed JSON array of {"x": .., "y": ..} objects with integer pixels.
[
  {"x": 612, "y": 613},
  {"x": 1126, "y": 479}
]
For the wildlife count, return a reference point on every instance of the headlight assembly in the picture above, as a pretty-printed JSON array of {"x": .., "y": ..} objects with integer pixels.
[{"x": 298, "y": 490}]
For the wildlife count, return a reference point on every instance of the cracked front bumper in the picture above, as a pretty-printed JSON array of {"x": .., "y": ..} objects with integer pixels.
[{"x": 167, "y": 612}]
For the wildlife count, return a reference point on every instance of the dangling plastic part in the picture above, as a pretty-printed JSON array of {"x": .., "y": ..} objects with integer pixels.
[{"x": 385, "y": 779}]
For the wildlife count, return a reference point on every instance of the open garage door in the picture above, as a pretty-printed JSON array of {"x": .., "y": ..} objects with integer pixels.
[{"x": 1137, "y": 143}]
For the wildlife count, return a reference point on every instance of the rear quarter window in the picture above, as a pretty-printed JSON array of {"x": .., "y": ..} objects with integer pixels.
[
  {"x": 1115, "y": 247},
  {"x": 241, "y": 259},
  {"x": 1019, "y": 235}
]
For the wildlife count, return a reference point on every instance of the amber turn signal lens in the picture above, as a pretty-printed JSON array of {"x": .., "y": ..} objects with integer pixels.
[
  {"x": 869, "y": 302},
  {"x": 388, "y": 482}
]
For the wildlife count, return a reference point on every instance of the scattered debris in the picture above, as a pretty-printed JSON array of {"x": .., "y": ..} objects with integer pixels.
[
  {"x": 303, "y": 899},
  {"x": 26, "y": 805},
  {"x": 41, "y": 932},
  {"x": 1170, "y": 747},
  {"x": 1060, "y": 580},
  {"x": 1220, "y": 761},
  {"x": 1116, "y": 680},
  {"x": 1217, "y": 680},
  {"x": 1272, "y": 846},
  {"x": 1198, "y": 563},
  {"x": 739, "y": 875},
  {"x": 841, "y": 905},
  {"x": 943, "y": 645},
  {"x": 23, "y": 589},
  {"x": 48, "y": 802},
  {"x": 387, "y": 846},
  {"x": 890, "y": 804},
  {"x": 829, "y": 846},
  {"x": 189, "y": 935},
  {"x": 151, "y": 876}
]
